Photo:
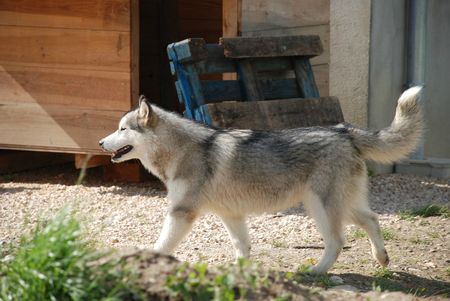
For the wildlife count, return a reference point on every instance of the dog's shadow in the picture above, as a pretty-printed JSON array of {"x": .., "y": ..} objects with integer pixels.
[{"x": 398, "y": 281}]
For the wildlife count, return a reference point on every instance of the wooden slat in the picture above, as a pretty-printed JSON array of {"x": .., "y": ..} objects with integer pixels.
[
  {"x": 248, "y": 76},
  {"x": 215, "y": 91},
  {"x": 84, "y": 14},
  {"x": 127, "y": 172},
  {"x": 322, "y": 30},
  {"x": 65, "y": 48},
  {"x": 135, "y": 52},
  {"x": 275, "y": 114},
  {"x": 60, "y": 128},
  {"x": 81, "y": 88},
  {"x": 189, "y": 50},
  {"x": 245, "y": 47},
  {"x": 270, "y": 14},
  {"x": 305, "y": 78},
  {"x": 231, "y": 12}
]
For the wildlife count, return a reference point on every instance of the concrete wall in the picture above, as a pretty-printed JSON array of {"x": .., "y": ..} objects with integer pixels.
[
  {"x": 437, "y": 139},
  {"x": 349, "y": 57},
  {"x": 387, "y": 65},
  {"x": 367, "y": 65}
]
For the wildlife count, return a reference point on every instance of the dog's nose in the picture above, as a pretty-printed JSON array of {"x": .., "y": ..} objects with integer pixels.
[{"x": 100, "y": 143}]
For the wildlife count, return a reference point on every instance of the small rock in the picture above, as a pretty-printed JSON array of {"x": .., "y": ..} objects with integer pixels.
[
  {"x": 430, "y": 264},
  {"x": 336, "y": 279},
  {"x": 345, "y": 287},
  {"x": 8, "y": 258},
  {"x": 414, "y": 270}
]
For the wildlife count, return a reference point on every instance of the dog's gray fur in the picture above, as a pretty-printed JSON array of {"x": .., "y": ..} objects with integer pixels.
[{"x": 233, "y": 173}]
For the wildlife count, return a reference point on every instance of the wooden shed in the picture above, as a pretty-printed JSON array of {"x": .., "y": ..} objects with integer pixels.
[{"x": 70, "y": 68}]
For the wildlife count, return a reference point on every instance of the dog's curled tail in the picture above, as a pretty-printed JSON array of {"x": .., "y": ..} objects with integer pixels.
[{"x": 400, "y": 138}]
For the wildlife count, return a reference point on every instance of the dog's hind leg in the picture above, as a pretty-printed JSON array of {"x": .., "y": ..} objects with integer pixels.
[
  {"x": 330, "y": 226},
  {"x": 237, "y": 228},
  {"x": 176, "y": 225},
  {"x": 368, "y": 220}
]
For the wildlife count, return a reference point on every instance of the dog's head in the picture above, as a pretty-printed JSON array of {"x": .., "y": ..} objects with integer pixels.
[{"x": 133, "y": 135}]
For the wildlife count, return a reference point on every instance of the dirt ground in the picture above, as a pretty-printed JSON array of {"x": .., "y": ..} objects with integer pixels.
[{"x": 130, "y": 215}]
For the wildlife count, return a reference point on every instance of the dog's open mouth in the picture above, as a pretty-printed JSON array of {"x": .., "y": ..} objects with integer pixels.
[{"x": 121, "y": 151}]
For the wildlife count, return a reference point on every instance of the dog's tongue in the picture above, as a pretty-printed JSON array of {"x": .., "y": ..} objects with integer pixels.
[{"x": 122, "y": 151}]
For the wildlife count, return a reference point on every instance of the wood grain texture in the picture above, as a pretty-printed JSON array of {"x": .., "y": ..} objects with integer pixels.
[
  {"x": 81, "y": 88},
  {"x": 276, "y": 114},
  {"x": 135, "y": 52},
  {"x": 200, "y": 10},
  {"x": 82, "y": 14},
  {"x": 65, "y": 48},
  {"x": 231, "y": 12},
  {"x": 323, "y": 31},
  {"x": 322, "y": 77},
  {"x": 269, "y": 14},
  {"x": 57, "y": 128},
  {"x": 245, "y": 47},
  {"x": 248, "y": 76}
]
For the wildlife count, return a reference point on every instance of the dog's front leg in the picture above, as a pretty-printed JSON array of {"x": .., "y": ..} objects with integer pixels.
[
  {"x": 237, "y": 228},
  {"x": 176, "y": 225}
]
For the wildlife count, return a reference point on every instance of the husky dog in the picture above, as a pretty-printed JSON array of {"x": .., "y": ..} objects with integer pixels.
[{"x": 233, "y": 173}]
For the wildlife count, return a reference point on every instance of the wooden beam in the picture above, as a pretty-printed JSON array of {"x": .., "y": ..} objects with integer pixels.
[
  {"x": 89, "y": 161},
  {"x": 58, "y": 128},
  {"x": 231, "y": 18},
  {"x": 125, "y": 172},
  {"x": 231, "y": 25},
  {"x": 65, "y": 48},
  {"x": 85, "y": 14},
  {"x": 75, "y": 88},
  {"x": 251, "y": 47},
  {"x": 135, "y": 53},
  {"x": 275, "y": 114}
]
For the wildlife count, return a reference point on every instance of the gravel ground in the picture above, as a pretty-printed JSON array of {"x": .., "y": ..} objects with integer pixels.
[{"x": 126, "y": 215}]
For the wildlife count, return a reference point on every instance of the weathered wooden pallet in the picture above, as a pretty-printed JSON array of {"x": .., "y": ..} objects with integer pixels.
[{"x": 273, "y": 75}]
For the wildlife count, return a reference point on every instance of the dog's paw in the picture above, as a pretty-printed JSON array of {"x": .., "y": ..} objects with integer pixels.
[
  {"x": 317, "y": 270},
  {"x": 383, "y": 258}
]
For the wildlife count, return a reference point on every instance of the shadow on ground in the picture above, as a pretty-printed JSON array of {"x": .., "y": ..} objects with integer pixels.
[{"x": 398, "y": 281}]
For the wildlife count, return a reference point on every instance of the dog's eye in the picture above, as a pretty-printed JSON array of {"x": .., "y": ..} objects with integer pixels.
[{"x": 123, "y": 129}]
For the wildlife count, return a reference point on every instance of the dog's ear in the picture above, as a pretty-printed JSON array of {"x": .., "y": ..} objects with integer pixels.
[{"x": 146, "y": 115}]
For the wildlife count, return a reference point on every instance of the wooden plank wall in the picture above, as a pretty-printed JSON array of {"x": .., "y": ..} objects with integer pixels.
[
  {"x": 200, "y": 19},
  {"x": 175, "y": 20},
  {"x": 65, "y": 72},
  {"x": 150, "y": 50},
  {"x": 291, "y": 17}
]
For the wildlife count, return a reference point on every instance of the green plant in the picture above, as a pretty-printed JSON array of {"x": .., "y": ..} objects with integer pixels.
[
  {"x": 279, "y": 244},
  {"x": 232, "y": 282},
  {"x": 56, "y": 263},
  {"x": 384, "y": 273},
  {"x": 426, "y": 211},
  {"x": 384, "y": 280},
  {"x": 388, "y": 234},
  {"x": 358, "y": 233}
]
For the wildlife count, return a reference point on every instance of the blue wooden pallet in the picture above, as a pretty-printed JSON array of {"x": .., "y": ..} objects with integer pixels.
[{"x": 257, "y": 62}]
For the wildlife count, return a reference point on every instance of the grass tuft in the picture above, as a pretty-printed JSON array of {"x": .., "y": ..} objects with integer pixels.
[
  {"x": 427, "y": 211},
  {"x": 56, "y": 263},
  {"x": 388, "y": 234},
  {"x": 358, "y": 233},
  {"x": 233, "y": 282}
]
